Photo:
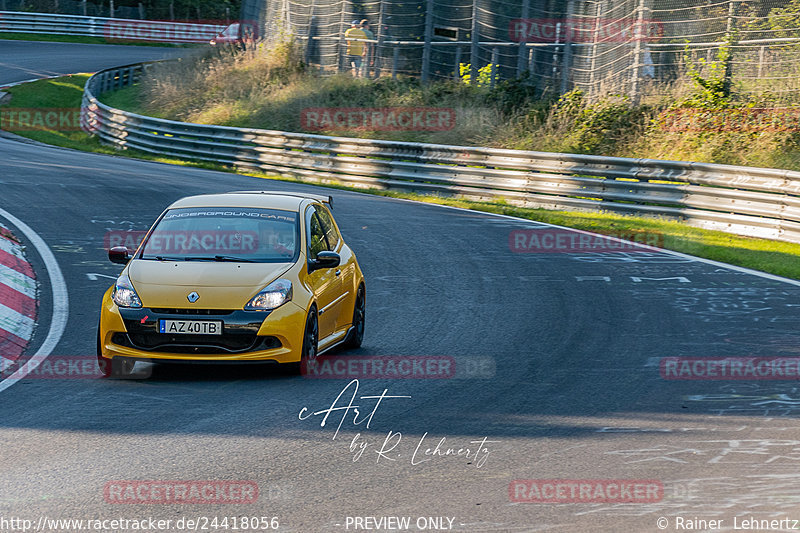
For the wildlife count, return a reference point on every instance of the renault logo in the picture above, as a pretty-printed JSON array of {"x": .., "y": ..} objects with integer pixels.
[{"x": 193, "y": 297}]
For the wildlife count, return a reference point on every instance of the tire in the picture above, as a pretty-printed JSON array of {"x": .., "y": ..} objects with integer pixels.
[
  {"x": 356, "y": 336},
  {"x": 116, "y": 367},
  {"x": 310, "y": 340}
]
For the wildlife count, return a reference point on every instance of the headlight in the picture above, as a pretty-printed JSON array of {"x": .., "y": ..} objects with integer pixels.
[
  {"x": 124, "y": 294},
  {"x": 274, "y": 295}
]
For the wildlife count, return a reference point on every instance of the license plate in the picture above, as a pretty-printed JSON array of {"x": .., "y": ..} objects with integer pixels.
[{"x": 190, "y": 327}]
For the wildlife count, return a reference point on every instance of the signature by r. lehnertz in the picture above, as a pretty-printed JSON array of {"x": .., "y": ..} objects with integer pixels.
[{"x": 476, "y": 451}]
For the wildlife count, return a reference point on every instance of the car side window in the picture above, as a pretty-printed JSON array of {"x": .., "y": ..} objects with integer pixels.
[
  {"x": 316, "y": 234},
  {"x": 328, "y": 227}
]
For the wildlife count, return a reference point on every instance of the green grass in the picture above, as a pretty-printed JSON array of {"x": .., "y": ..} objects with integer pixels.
[
  {"x": 760, "y": 254},
  {"x": 128, "y": 99},
  {"x": 86, "y": 39}
]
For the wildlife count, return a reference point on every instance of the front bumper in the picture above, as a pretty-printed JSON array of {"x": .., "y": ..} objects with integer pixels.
[{"x": 247, "y": 335}]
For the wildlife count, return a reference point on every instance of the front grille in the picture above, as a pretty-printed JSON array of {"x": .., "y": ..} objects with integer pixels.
[
  {"x": 205, "y": 312},
  {"x": 239, "y": 332},
  {"x": 194, "y": 343}
]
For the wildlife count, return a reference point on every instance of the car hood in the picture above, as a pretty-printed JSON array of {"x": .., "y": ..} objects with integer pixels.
[{"x": 219, "y": 285}]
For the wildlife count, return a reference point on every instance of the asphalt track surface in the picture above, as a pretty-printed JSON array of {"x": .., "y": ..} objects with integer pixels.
[
  {"x": 23, "y": 60},
  {"x": 575, "y": 340}
]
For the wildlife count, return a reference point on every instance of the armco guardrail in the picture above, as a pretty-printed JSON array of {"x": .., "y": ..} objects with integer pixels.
[
  {"x": 748, "y": 201},
  {"x": 112, "y": 29}
]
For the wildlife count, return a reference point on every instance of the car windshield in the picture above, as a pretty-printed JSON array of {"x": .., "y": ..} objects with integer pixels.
[{"x": 224, "y": 234}]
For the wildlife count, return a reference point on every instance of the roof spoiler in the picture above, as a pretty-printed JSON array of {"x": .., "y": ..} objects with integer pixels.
[{"x": 326, "y": 199}]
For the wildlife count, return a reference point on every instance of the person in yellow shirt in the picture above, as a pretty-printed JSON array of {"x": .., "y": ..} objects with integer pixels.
[{"x": 355, "y": 49}]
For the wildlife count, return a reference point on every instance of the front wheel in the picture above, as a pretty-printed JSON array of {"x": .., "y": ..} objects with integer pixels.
[
  {"x": 310, "y": 340},
  {"x": 359, "y": 311},
  {"x": 116, "y": 367}
]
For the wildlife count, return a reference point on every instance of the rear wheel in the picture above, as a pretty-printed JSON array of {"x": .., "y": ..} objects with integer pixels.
[{"x": 356, "y": 336}]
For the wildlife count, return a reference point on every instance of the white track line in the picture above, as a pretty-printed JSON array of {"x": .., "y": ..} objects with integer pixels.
[
  {"x": 14, "y": 84},
  {"x": 745, "y": 270},
  {"x": 58, "y": 321}
]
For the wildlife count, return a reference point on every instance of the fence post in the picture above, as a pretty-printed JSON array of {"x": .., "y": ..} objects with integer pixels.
[
  {"x": 111, "y": 9},
  {"x": 522, "y": 53},
  {"x": 494, "y": 67},
  {"x": 312, "y": 27},
  {"x": 555, "y": 55},
  {"x": 761, "y": 51},
  {"x": 593, "y": 66},
  {"x": 637, "y": 54},
  {"x": 426, "y": 50},
  {"x": 172, "y": 11},
  {"x": 395, "y": 59},
  {"x": 380, "y": 37},
  {"x": 141, "y": 11},
  {"x": 567, "y": 46},
  {"x": 473, "y": 49},
  {"x": 730, "y": 28},
  {"x": 342, "y": 51},
  {"x": 83, "y": 7},
  {"x": 457, "y": 71}
]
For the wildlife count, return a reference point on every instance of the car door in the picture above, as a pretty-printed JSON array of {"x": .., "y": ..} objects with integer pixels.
[
  {"x": 343, "y": 309},
  {"x": 325, "y": 282}
]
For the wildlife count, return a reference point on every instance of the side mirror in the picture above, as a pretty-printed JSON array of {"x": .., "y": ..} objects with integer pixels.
[
  {"x": 324, "y": 260},
  {"x": 119, "y": 255}
]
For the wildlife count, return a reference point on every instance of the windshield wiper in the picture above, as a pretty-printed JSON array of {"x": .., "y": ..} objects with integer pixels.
[
  {"x": 232, "y": 259},
  {"x": 219, "y": 258}
]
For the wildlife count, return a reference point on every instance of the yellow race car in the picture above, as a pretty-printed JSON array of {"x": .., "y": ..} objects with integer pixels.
[{"x": 241, "y": 276}]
